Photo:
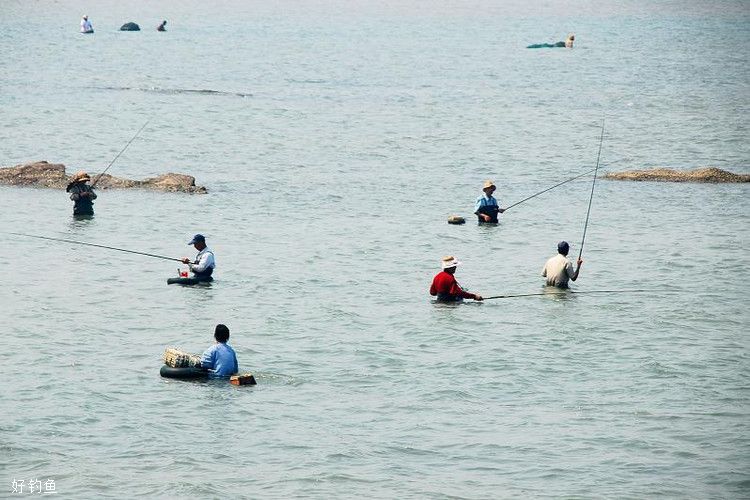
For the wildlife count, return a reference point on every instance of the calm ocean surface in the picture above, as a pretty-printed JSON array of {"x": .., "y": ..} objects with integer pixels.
[{"x": 335, "y": 139}]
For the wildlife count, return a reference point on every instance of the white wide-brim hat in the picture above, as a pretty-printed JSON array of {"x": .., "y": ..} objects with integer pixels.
[{"x": 450, "y": 261}]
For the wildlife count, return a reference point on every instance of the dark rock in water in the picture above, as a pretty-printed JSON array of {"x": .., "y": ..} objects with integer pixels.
[
  {"x": 52, "y": 175},
  {"x": 711, "y": 175},
  {"x": 130, "y": 27}
]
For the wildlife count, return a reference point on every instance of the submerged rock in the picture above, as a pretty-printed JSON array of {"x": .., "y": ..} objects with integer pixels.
[
  {"x": 710, "y": 174},
  {"x": 52, "y": 175},
  {"x": 130, "y": 27}
]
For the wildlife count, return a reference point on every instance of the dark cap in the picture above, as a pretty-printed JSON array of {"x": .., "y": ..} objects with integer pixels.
[
  {"x": 563, "y": 247},
  {"x": 197, "y": 238}
]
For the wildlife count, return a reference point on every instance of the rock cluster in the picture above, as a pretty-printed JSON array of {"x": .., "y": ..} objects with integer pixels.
[
  {"x": 52, "y": 175},
  {"x": 713, "y": 175}
]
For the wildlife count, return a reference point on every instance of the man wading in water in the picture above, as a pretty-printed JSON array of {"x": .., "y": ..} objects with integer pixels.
[
  {"x": 559, "y": 269},
  {"x": 444, "y": 284},
  {"x": 204, "y": 263},
  {"x": 486, "y": 207},
  {"x": 82, "y": 194}
]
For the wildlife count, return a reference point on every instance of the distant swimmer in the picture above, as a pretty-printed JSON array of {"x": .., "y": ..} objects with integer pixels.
[
  {"x": 559, "y": 269},
  {"x": 220, "y": 359},
  {"x": 486, "y": 207},
  {"x": 86, "y": 26},
  {"x": 445, "y": 286},
  {"x": 82, "y": 194},
  {"x": 203, "y": 265},
  {"x": 568, "y": 43},
  {"x": 162, "y": 26}
]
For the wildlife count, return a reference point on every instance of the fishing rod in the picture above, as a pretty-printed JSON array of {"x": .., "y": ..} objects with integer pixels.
[
  {"x": 95, "y": 245},
  {"x": 118, "y": 154},
  {"x": 549, "y": 189},
  {"x": 567, "y": 292},
  {"x": 588, "y": 212}
]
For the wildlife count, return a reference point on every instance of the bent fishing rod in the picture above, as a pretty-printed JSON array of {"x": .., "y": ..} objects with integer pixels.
[
  {"x": 568, "y": 292},
  {"x": 118, "y": 154},
  {"x": 95, "y": 245},
  {"x": 593, "y": 184}
]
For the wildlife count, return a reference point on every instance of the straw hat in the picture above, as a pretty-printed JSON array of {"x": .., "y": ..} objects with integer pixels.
[
  {"x": 450, "y": 261},
  {"x": 488, "y": 184},
  {"x": 81, "y": 176}
]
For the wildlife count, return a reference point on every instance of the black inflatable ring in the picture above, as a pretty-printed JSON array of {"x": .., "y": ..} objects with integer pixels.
[{"x": 186, "y": 373}]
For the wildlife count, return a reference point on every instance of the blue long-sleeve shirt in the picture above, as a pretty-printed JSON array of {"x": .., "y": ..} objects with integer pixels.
[{"x": 220, "y": 360}]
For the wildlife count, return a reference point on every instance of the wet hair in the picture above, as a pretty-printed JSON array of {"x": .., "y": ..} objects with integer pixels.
[{"x": 221, "y": 334}]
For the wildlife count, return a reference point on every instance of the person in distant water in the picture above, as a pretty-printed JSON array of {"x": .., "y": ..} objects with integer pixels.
[
  {"x": 486, "y": 206},
  {"x": 220, "y": 359},
  {"x": 445, "y": 286},
  {"x": 86, "y": 26},
  {"x": 568, "y": 43},
  {"x": 162, "y": 26},
  {"x": 204, "y": 263},
  {"x": 82, "y": 194},
  {"x": 558, "y": 270}
]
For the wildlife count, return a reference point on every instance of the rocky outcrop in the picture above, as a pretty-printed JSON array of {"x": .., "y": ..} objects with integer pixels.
[
  {"x": 52, "y": 175},
  {"x": 712, "y": 175},
  {"x": 130, "y": 27}
]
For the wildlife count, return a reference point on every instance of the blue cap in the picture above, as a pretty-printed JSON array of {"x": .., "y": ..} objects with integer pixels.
[
  {"x": 197, "y": 238},
  {"x": 562, "y": 247}
]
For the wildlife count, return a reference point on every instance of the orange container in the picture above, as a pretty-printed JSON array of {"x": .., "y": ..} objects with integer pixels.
[{"x": 244, "y": 379}]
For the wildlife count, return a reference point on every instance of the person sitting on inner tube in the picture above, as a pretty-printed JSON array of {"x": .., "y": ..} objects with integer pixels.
[
  {"x": 486, "y": 206},
  {"x": 82, "y": 194},
  {"x": 220, "y": 359},
  {"x": 204, "y": 263},
  {"x": 445, "y": 286}
]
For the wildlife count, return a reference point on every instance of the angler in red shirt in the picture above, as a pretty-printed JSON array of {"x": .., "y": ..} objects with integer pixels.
[{"x": 445, "y": 286}]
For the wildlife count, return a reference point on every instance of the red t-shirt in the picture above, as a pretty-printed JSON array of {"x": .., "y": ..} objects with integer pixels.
[{"x": 445, "y": 284}]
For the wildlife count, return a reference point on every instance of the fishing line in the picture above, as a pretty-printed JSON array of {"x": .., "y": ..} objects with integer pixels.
[
  {"x": 548, "y": 189},
  {"x": 95, "y": 245},
  {"x": 568, "y": 292},
  {"x": 121, "y": 152},
  {"x": 588, "y": 212}
]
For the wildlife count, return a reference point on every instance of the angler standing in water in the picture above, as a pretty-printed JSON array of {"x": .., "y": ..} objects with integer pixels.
[
  {"x": 486, "y": 207},
  {"x": 445, "y": 286},
  {"x": 82, "y": 194},
  {"x": 558, "y": 269},
  {"x": 203, "y": 265}
]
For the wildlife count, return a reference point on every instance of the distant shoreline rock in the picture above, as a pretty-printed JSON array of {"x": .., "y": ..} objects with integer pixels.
[
  {"x": 708, "y": 175},
  {"x": 130, "y": 27},
  {"x": 52, "y": 175}
]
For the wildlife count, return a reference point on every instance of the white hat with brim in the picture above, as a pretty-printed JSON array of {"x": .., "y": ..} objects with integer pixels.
[{"x": 449, "y": 262}]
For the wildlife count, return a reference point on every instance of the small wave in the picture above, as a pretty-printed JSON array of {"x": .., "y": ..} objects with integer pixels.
[{"x": 159, "y": 90}]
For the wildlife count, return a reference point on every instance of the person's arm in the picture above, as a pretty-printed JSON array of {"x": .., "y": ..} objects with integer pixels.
[
  {"x": 457, "y": 290},
  {"x": 201, "y": 264},
  {"x": 207, "y": 360},
  {"x": 578, "y": 270},
  {"x": 92, "y": 194},
  {"x": 433, "y": 289},
  {"x": 477, "y": 205}
]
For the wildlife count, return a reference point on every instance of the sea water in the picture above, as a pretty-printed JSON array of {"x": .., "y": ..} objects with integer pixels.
[{"x": 335, "y": 138}]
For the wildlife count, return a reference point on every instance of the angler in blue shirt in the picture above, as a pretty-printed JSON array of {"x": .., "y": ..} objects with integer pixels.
[
  {"x": 486, "y": 207},
  {"x": 220, "y": 359}
]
